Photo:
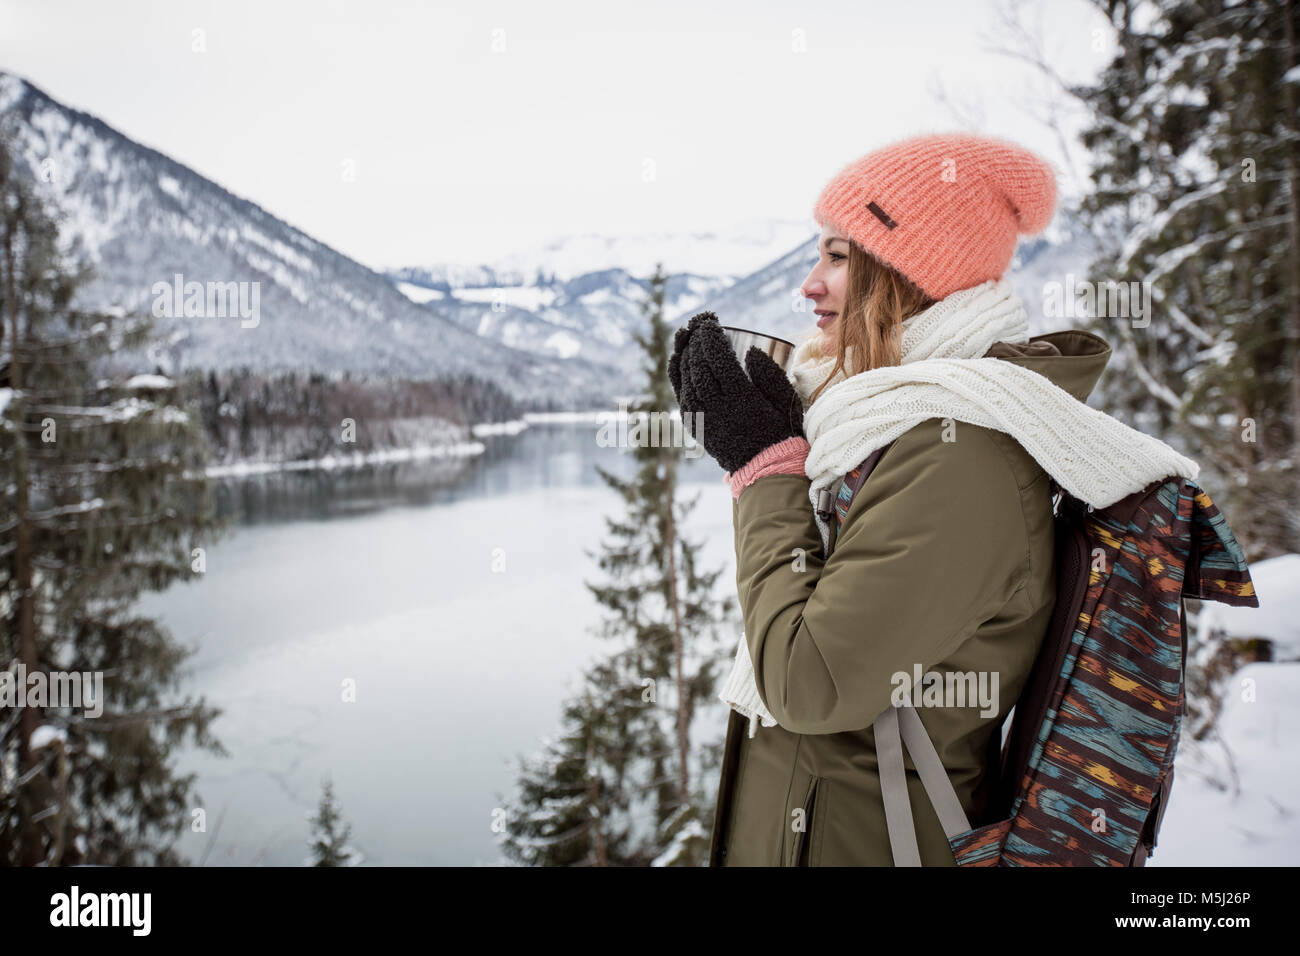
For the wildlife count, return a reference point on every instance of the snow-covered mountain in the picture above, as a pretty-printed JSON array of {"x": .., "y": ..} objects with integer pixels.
[
  {"x": 142, "y": 218},
  {"x": 592, "y": 316},
  {"x": 583, "y": 295}
]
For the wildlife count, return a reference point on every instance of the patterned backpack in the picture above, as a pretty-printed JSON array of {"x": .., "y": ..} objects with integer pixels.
[{"x": 1086, "y": 770}]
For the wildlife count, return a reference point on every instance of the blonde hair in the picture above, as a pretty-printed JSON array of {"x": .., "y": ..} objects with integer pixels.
[{"x": 877, "y": 298}]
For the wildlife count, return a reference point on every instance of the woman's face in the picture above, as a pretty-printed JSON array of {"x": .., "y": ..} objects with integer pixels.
[{"x": 825, "y": 284}]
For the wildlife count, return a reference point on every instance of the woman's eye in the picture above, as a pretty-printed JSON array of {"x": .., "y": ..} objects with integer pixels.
[{"x": 836, "y": 256}]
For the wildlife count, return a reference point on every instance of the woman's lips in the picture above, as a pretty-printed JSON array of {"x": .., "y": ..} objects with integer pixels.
[{"x": 825, "y": 320}]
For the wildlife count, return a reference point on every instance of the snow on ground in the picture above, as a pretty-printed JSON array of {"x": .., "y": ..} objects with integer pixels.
[
  {"x": 1243, "y": 809},
  {"x": 498, "y": 428},
  {"x": 382, "y": 456},
  {"x": 1236, "y": 800},
  {"x": 149, "y": 381},
  {"x": 419, "y": 294}
]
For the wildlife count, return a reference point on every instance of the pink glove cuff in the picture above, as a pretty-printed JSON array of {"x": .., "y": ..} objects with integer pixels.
[{"x": 784, "y": 458}]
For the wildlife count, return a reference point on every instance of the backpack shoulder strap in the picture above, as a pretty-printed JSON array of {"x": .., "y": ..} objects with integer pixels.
[
  {"x": 833, "y": 507},
  {"x": 894, "y": 729}
]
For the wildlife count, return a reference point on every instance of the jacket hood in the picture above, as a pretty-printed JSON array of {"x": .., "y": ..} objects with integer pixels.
[{"x": 1072, "y": 359}]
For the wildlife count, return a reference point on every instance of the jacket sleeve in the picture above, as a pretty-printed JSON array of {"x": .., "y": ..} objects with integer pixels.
[{"x": 933, "y": 546}]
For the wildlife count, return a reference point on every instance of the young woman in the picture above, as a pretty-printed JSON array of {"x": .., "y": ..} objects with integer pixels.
[{"x": 943, "y": 567}]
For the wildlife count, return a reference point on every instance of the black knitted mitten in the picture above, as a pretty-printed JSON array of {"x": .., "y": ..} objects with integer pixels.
[{"x": 740, "y": 415}]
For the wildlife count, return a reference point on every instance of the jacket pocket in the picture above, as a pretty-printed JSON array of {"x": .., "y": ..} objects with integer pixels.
[{"x": 801, "y": 848}]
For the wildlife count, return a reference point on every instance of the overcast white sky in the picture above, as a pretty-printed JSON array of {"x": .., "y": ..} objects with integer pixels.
[{"x": 478, "y": 129}]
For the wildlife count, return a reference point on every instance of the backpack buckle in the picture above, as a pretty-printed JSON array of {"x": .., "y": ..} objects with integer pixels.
[{"x": 824, "y": 501}]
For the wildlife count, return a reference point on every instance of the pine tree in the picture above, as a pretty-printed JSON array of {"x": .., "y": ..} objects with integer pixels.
[
  {"x": 660, "y": 604},
  {"x": 571, "y": 806},
  {"x": 625, "y": 784},
  {"x": 1194, "y": 139},
  {"x": 104, "y": 497},
  {"x": 330, "y": 835}
]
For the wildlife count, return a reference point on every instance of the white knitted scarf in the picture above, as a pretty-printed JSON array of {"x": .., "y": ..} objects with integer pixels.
[{"x": 943, "y": 374}]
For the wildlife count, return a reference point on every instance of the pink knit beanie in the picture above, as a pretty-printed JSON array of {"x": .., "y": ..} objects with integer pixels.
[{"x": 942, "y": 209}]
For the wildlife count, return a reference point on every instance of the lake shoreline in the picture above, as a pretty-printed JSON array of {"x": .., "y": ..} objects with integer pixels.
[{"x": 385, "y": 456}]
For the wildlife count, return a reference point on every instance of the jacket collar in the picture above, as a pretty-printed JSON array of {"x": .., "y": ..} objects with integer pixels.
[{"x": 1079, "y": 359}]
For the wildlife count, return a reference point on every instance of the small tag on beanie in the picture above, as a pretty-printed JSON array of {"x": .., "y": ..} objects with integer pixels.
[{"x": 881, "y": 215}]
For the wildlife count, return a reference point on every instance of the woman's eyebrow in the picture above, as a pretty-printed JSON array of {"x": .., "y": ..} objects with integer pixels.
[{"x": 827, "y": 240}]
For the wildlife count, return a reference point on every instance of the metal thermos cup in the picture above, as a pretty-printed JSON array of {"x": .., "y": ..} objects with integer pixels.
[{"x": 778, "y": 350}]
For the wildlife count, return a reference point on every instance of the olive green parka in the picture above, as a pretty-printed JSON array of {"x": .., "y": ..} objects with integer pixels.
[{"x": 945, "y": 562}]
